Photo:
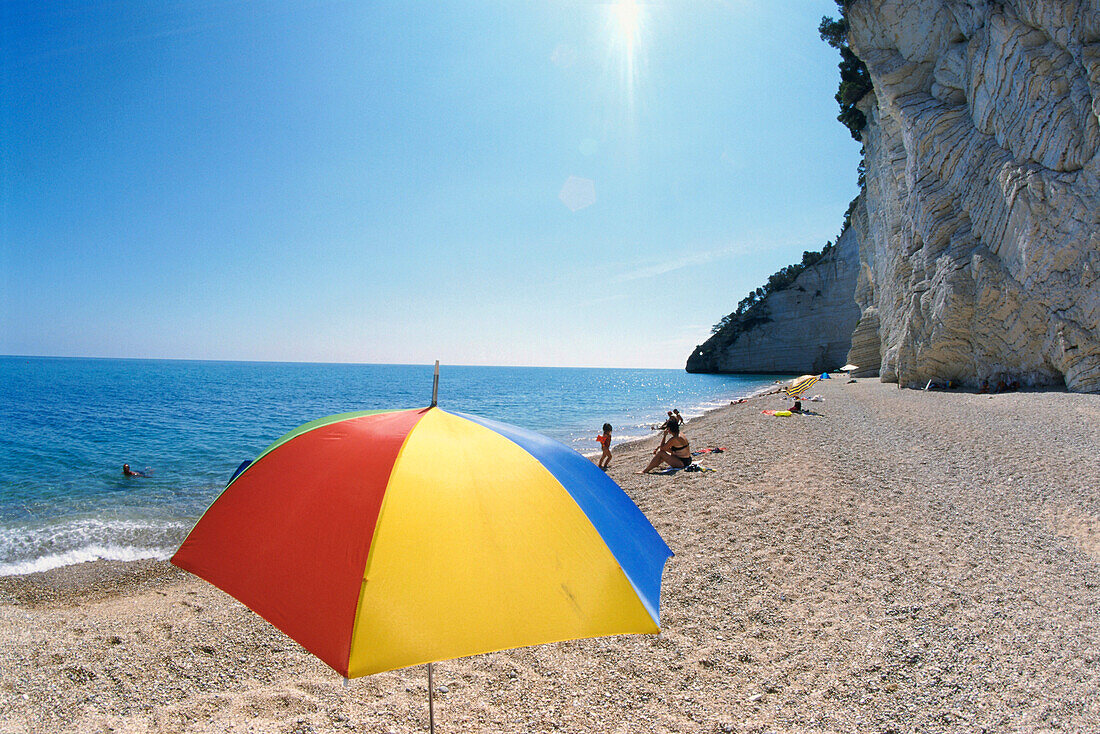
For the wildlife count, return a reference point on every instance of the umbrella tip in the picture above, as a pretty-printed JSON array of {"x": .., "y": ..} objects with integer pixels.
[{"x": 435, "y": 386}]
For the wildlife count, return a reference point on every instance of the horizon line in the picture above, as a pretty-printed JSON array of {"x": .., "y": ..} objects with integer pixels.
[{"x": 362, "y": 364}]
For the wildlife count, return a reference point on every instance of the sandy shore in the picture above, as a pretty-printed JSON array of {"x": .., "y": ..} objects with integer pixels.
[{"x": 901, "y": 561}]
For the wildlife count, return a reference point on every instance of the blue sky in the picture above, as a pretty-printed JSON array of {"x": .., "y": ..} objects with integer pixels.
[{"x": 381, "y": 181}]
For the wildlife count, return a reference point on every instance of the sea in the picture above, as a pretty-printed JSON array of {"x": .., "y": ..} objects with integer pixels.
[{"x": 67, "y": 425}]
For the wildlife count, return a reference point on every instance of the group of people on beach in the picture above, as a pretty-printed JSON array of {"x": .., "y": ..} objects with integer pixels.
[
  {"x": 1002, "y": 385},
  {"x": 674, "y": 449}
]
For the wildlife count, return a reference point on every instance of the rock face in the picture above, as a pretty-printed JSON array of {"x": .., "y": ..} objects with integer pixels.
[
  {"x": 979, "y": 228},
  {"x": 806, "y": 327}
]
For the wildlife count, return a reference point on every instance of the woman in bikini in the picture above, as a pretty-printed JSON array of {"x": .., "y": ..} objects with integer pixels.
[{"x": 674, "y": 451}]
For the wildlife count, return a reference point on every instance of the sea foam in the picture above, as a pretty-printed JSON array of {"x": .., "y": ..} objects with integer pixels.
[
  {"x": 41, "y": 547},
  {"x": 82, "y": 555}
]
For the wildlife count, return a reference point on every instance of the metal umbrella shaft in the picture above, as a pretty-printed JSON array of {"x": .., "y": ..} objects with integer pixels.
[{"x": 431, "y": 699}]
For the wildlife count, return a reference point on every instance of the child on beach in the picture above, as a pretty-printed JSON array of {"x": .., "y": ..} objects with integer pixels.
[{"x": 605, "y": 443}]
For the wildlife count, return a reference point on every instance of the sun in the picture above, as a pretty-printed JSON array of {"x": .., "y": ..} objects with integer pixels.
[
  {"x": 627, "y": 17},
  {"x": 626, "y": 20}
]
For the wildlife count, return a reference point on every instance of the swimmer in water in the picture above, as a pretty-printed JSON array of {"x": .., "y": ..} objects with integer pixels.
[{"x": 128, "y": 472}]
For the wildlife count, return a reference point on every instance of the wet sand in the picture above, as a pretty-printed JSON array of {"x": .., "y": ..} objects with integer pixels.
[{"x": 898, "y": 561}]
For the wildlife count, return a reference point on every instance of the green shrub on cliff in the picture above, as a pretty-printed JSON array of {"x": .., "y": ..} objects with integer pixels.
[
  {"x": 776, "y": 282},
  {"x": 855, "y": 81}
]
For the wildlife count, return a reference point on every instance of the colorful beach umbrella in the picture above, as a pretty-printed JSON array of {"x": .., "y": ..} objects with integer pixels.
[
  {"x": 380, "y": 540},
  {"x": 801, "y": 385}
]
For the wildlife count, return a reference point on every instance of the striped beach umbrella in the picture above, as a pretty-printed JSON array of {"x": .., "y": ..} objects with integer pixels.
[
  {"x": 380, "y": 540},
  {"x": 801, "y": 385}
]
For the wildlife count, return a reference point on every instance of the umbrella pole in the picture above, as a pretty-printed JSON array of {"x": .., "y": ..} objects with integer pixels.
[
  {"x": 431, "y": 701},
  {"x": 435, "y": 395}
]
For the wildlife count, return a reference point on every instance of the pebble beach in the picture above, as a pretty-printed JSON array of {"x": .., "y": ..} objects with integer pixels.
[{"x": 892, "y": 561}]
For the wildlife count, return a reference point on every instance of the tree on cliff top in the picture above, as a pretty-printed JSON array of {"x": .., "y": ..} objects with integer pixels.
[
  {"x": 855, "y": 81},
  {"x": 776, "y": 282}
]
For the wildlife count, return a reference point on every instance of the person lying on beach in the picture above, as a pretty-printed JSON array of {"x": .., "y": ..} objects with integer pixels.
[
  {"x": 128, "y": 472},
  {"x": 605, "y": 444},
  {"x": 674, "y": 451}
]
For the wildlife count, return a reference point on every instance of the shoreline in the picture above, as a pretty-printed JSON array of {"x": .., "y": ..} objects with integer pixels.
[
  {"x": 896, "y": 560},
  {"x": 634, "y": 443},
  {"x": 66, "y": 513},
  {"x": 108, "y": 571},
  {"x": 54, "y": 583}
]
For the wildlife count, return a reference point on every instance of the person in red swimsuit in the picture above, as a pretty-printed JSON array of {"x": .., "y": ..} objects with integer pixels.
[{"x": 605, "y": 443}]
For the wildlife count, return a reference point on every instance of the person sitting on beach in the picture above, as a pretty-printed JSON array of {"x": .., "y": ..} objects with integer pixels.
[
  {"x": 674, "y": 451},
  {"x": 797, "y": 407},
  {"x": 128, "y": 472},
  {"x": 605, "y": 444}
]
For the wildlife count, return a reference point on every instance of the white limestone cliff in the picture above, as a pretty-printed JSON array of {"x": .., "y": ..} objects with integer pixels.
[
  {"x": 979, "y": 228},
  {"x": 805, "y": 327}
]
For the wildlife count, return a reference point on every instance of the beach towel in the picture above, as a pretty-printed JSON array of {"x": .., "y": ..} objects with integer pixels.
[
  {"x": 689, "y": 467},
  {"x": 700, "y": 452}
]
